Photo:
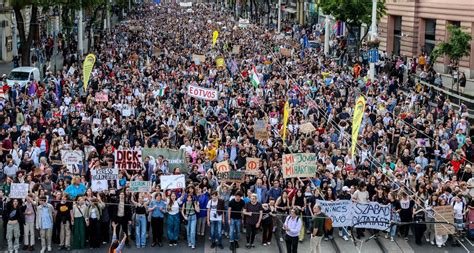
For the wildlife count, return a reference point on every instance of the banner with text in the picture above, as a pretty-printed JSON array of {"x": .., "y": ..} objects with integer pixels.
[
  {"x": 221, "y": 169},
  {"x": 18, "y": 190},
  {"x": 175, "y": 158},
  {"x": 140, "y": 186},
  {"x": 101, "y": 97},
  {"x": 128, "y": 159},
  {"x": 299, "y": 165},
  {"x": 104, "y": 174},
  {"x": 73, "y": 159},
  {"x": 339, "y": 211},
  {"x": 444, "y": 214},
  {"x": 173, "y": 182},
  {"x": 203, "y": 93}
]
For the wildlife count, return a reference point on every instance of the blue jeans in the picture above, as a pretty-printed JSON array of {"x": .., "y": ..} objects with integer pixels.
[
  {"x": 393, "y": 231},
  {"x": 191, "y": 230},
  {"x": 173, "y": 227},
  {"x": 235, "y": 229},
  {"x": 140, "y": 230},
  {"x": 216, "y": 231}
]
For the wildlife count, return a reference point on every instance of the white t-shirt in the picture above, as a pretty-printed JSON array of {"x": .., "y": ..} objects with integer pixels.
[{"x": 212, "y": 206}]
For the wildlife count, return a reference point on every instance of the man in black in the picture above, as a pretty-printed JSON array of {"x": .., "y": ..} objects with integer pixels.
[
  {"x": 235, "y": 219},
  {"x": 317, "y": 229},
  {"x": 254, "y": 212}
]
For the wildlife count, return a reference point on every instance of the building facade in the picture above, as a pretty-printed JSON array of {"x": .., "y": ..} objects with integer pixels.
[{"x": 415, "y": 26}]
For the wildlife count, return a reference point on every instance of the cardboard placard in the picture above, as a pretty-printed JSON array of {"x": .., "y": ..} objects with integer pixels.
[
  {"x": 128, "y": 159},
  {"x": 251, "y": 167},
  {"x": 222, "y": 168},
  {"x": 236, "y": 49},
  {"x": 285, "y": 52},
  {"x": 444, "y": 214},
  {"x": 260, "y": 130},
  {"x": 199, "y": 58},
  {"x": 307, "y": 128},
  {"x": 299, "y": 165},
  {"x": 101, "y": 97},
  {"x": 18, "y": 190}
]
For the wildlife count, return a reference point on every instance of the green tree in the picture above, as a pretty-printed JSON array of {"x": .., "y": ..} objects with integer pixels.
[
  {"x": 353, "y": 13},
  {"x": 458, "y": 46}
]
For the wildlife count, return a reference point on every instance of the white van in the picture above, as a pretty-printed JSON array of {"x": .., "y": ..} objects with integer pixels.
[{"x": 22, "y": 76}]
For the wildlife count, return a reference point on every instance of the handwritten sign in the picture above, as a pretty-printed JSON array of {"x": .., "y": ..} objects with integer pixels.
[
  {"x": 172, "y": 182},
  {"x": 339, "y": 211},
  {"x": 444, "y": 214},
  {"x": 222, "y": 168},
  {"x": 371, "y": 215},
  {"x": 73, "y": 160},
  {"x": 140, "y": 186},
  {"x": 251, "y": 167},
  {"x": 285, "y": 52},
  {"x": 260, "y": 130},
  {"x": 18, "y": 191},
  {"x": 128, "y": 159},
  {"x": 299, "y": 165},
  {"x": 236, "y": 49},
  {"x": 199, "y": 58},
  {"x": 104, "y": 174},
  {"x": 101, "y": 97},
  {"x": 99, "y": 185},
  {"x": 307, "y": 128},
  {"x": 233, "y": 176},
  {"x": 203, "y": 93}
]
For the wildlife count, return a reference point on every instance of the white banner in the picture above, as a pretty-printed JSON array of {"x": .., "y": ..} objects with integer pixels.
[
  {"x": 18, "y": 191},
  {"x": 339, "y": 211},
  {"x": 99, "y": 185},
  {"x": 104, "y": 174},
  {"x": 186, "y": 4},
  {"x": 172, "y": 182},
  {"x": 345, "y": 213},
  {"x": 203, "y": 93}
]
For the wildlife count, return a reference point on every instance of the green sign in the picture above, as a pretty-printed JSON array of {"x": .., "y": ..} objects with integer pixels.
[{"x": 175, "y": 158}]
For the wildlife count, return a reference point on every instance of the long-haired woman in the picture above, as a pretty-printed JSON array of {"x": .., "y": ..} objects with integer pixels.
[{"x": 172, "y": 207}]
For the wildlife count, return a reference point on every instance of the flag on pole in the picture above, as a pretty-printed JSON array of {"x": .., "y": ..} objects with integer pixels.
[
  {"x": 356, "y": 120},
  {"x": 286, "y": 114},
  {"x": 215, "y": 34},
  {"x": 87, "y": 66},
  {"x": 254, "y": 77},
  {"x": 161, "y": 91}
]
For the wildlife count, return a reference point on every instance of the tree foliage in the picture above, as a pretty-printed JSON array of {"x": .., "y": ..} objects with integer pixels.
[
  {"x": 458, "y": 45},
  {"x": 353, "y": 12}
]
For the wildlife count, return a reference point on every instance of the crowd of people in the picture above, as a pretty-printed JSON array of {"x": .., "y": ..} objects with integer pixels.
[{"x": 414, "y": 150}]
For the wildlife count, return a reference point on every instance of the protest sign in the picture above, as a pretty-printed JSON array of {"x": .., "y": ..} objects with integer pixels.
[
  {"x": 172, "y": 182},
  {"x": 339, "y": 211},
  {"x": 73, "y": 160},
  {"x": 251, "y": 167},
  {"x": 101, "y": 97},
  {"x": 220, "y": 63},
  {"x": 260, "y": 130},
  {"x": 236, "y": 49},
  {"x": 285, "y": 52},
  {"x": 198, "y": 58},
  {"x": 18, "y": 190},
  {"x": 96, "y": 121},
  {"x": 128, "y": 159},
  {"x": 299, "y": 165},
  {"x": 444, "y": 214},
  {"x": 232, "y": 176},
  {"x": 175, "y": 158},
  {"x": 203, "y": 93},
  {"x": 104, "y": 174},
  {"x": 307, "y": 128},
  {"x": 99, "y": 185},
  {"x": 71, "y": 71},
  {"x": 140, "y": 186},
  {"x": 186, "y": 4},
  {"x": 222, "y": 168},
  {"x": 372, "y": 215}
]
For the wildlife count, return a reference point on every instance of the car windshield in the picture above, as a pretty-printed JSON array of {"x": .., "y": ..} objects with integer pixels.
[{"x": 19, "y": 76}]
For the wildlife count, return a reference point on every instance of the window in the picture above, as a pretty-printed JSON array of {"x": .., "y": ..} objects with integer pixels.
[
  {"x": 397, "y": 34},
  {"x": 455, "y": 23},
  {"x": 430, "y": 35}
]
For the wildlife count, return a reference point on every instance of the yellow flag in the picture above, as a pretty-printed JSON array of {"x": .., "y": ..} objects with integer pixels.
[
  {"x": 286, "y": 114},
  {"x": 87, "y": 66},
  {"x": 220, "y": 62},
  {"x": 356, "y": 120},
  {"x": 215, "y": 34}
]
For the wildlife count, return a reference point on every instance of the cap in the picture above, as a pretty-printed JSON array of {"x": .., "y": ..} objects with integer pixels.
[{"x": 345, "y": 189}]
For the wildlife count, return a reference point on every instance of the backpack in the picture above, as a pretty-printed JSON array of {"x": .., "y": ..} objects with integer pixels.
[{"x": 327, "y": 223}]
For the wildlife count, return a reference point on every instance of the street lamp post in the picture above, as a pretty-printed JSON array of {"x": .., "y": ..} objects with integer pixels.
[
  {"x": 14, "y": 36},
  {"x": 80, "y": 41},
  {"x": 279, "y": 16},
  {"x": 373, "y": 37},
  {"x": 326, "y": 35}
]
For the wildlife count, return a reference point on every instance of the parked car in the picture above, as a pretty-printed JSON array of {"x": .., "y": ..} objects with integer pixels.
[{"x": 22, "y": 76}]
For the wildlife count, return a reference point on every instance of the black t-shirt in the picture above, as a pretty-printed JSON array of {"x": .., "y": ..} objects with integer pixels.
[
  {"x": 63, "y": 211},
  {"x": 236, "y": 208},
  {"x": 255, "y": 210}
]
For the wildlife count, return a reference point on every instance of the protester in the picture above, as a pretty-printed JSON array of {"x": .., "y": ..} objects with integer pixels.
[
  {"x": 317, "y": 230},
  {"x": 292, "y": 226}
]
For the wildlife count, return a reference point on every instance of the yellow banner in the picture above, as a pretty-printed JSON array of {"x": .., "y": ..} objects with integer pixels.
[
  {"x": 220, "y": 62},
  {"x": 356, "y": 120},
  {"x": 87, "y": 66},
  {"x": 215, "y": 34},
  {"x": 286, "y": 114}
]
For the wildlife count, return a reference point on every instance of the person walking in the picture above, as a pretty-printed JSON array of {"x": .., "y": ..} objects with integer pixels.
[
  {"x": 254, "y": 212},
  {"x": 234, "y": 214},
  {"x": 215, "y": 219},
  {"x": 157, "y": 208},
  {"x": 44, "y": 223},
  {"x": 189, "y": 210},
  {"x": 317, "y": 229},
  {"x": 29, "y": 210},
  {"x": 292, "y": 227},
  {"x": 13, "y": 219}
]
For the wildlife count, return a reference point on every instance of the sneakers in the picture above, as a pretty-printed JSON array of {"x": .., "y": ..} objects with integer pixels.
[
  {"x": 247, "y": 245},
  {"x": 265, "y": 244},
  {"x": 326, "y": 239},
  {"x": 193, "y": 247},
  {"x": 43, "y": 250},
  {"x": 220, "y": 246},
  {"x": 213, "y": 245},
  {"x": 340, "y": 233},
  {"x": 391, "y": 239},
  {"x": 281, "y": 240},
  {"x": 406, "y": 238},
  {"x": 432, "y": 242},
  {"x": 427, "y": 239},
  {"x": 386, "y": 236},
  {"x": 345, "y": 238}
]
